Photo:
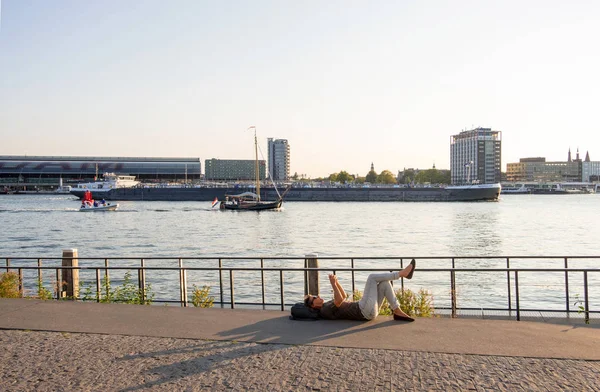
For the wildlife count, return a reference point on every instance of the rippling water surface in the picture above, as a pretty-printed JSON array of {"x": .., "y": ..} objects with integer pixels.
[{"x": 517, "y": 225}]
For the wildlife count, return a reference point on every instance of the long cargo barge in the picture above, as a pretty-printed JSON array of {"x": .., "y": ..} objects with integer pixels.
[{"x": 481, "y": 192}]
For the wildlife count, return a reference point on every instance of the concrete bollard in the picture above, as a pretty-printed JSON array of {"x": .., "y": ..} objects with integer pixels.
[
  {"x": 70, "y": 277},
  {"x": 311, "y": 278}
]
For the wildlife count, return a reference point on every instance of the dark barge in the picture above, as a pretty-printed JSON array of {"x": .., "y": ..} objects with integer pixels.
[{"x": 481, "y": 192}]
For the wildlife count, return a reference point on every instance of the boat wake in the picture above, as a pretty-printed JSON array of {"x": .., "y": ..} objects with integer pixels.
[{"x": 40, "y": 210}]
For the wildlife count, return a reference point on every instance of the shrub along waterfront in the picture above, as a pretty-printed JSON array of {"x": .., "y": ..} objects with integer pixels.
[
  {"x": 128, "y": 292},
  {"x": 419, "y": 304}
]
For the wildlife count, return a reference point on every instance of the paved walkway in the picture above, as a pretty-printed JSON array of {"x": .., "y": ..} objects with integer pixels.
[{"x": 49, "y": 345}]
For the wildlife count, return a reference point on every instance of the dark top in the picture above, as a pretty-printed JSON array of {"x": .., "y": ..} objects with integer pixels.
[{"x": 346, "y": 311}]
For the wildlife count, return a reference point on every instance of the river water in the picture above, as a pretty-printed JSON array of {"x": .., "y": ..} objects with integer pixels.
[{"x": 42, "y": 226}]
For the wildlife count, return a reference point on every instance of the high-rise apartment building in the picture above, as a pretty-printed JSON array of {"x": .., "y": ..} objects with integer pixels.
[
  {"x": 475, "y": 156},
  {"x": 279, "y": 159}
]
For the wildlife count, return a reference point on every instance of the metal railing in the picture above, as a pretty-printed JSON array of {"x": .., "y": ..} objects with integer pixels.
[{"x": 19, "y": 265}]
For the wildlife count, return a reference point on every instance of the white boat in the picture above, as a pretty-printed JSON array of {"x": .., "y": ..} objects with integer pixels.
[
  {"x": 109, "y": 181},
  {"x": 86, "y": 207},
  {"x": 516, "y": 189},
  {"x": 63, "y": 190}
]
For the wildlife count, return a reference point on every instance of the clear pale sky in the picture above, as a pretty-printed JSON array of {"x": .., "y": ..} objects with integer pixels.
[{"x": 346, "y": 82}]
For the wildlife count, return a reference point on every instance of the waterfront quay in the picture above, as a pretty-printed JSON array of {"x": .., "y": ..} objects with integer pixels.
[
  {"x": 238, "y": 345},
  {"x": 65, "y": 345},
  {"x": 508, "y": 287}
]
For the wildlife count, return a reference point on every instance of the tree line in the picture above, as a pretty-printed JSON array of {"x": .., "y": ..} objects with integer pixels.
[{"x": 408, "y": 176}]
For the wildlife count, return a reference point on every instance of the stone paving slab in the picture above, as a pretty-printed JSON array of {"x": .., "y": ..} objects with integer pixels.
[{"x": 60, "y": 361}]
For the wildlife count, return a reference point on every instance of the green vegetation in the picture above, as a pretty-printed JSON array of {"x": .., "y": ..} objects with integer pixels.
[
  {"x": 580, "y": 307},
  {"x": 43, "y": 293},
  {"x": 371, "y": 177},
  {"x": 341, "y": 177},
  {"x": 386, "y": 177},
  {"x": 408, "y": 176},
  {"x": 433, "y": 176},
  {"x": 9, "y": 285},
  {"x": 201, "y": 298},
  {"x": 419, "y": 304},
  {"x": 128, "y": 292}
]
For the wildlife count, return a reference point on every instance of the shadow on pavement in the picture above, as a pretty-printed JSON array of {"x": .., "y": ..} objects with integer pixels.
[{"x": 269, "y": 334}]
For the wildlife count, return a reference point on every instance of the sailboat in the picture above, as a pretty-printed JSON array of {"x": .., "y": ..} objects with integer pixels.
[{"x": 249, "y": 200}]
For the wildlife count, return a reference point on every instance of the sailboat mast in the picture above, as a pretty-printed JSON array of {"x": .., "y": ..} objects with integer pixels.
[{"x": 256, "y": 165}]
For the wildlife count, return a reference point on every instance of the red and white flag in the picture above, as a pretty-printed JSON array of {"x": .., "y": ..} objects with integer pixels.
[{"x": 214, "y": 203}]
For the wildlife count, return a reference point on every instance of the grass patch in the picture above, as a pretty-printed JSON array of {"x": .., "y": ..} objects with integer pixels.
[{"x": 127, "y": 293}]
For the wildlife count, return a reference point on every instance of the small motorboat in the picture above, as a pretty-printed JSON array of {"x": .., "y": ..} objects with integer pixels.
[
  {"x": 89, "y": 204},
  {"x": 88, "y": 207}
]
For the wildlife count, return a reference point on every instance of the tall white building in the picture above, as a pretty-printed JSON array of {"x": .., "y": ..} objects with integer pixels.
[
  {"x": 279, "y": 159},
  {"x": 475, "y": 156}
]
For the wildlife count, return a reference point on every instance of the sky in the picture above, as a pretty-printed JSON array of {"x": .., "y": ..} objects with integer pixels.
[{"x": 347, "y": 83}]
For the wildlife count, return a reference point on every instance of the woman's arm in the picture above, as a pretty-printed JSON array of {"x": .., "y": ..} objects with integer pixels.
[
  {"x": 339, "y": 295},
  {"x": 344, "y": 295}
]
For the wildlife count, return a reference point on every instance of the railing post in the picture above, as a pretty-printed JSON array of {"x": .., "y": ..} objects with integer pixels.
[
  {"x": 508, "y": 283},
  {"x": 39, "y": 263},
  {"x": 231, "y": 288},
  {"x": 453, "y": 292},
  {"x": 70, "y": 276},
  {"x": 142, "y": 279},
  {"x": 106, "y": 278},
  {"x": 305, "y": 277},
  {"x": 281, "y": 289},
  {"x": 353, "y": 281},
  {"x": 453, "y": 288},
  {"x": 313, "y": 276},
  {"x": 20, "y": 282},
  {"x": 181, "y": 289},
  {"x": 567, "y": 288},
  {"x": 221, "y": 281},
  {"x": 185, "y": 295},
  {"x": 262, "y": 281},
  {"x": 97, "y": 284},
  {"x": 402, "y": 280},
  {"x": 586, "y": 297},
  {"x": 7, "y": 265},
  {"x": 517, "y": 295},
  {"x": 58, "y": 284}
]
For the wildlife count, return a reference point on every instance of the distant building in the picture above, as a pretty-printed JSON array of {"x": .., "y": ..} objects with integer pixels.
[
  {"x": 47, "y": 172},
  {"x": 233, "y": 169},
  {"x": 539, "y": 170},
  {"x": 279, "y": 159},
  {"x": 475, "y": 156},
  {"x": 590, "y": 170}
]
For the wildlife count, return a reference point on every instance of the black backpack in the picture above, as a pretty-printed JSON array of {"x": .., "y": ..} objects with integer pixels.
[{"x": 303, "y": 312}]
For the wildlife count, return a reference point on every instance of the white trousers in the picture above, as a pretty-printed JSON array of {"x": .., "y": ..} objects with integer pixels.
[{"x": 377, "y": 288}]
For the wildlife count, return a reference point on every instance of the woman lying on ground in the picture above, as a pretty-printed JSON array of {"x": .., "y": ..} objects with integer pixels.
[{"x": 377, "y": 288}]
